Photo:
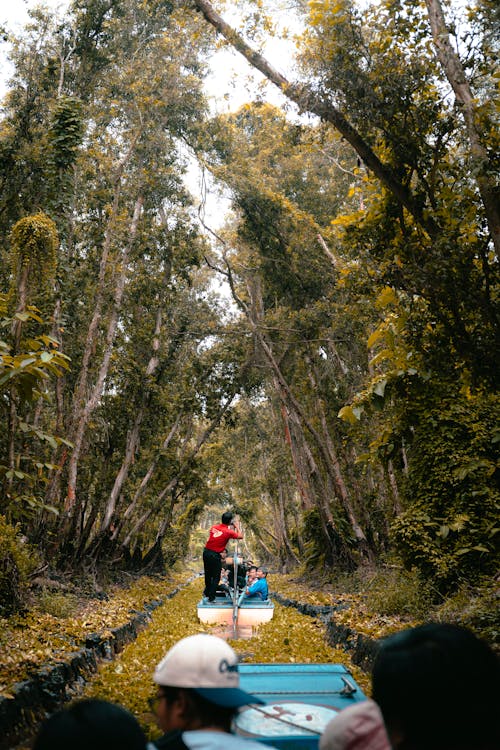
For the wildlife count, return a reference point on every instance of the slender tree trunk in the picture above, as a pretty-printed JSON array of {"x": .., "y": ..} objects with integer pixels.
[
  {"x": 283, "y": 523},
  {"x": 305, "y": 495},
  {"x": 92, "y": 401},
  {"x": 174, "y": 481},
  {"x": 455, "y": 73},
  {"x": 171, "y": 486},
  {"x": 148, "y": 475},
  {"x": 133, "y": 434},
  {"x": 394, "y": 489},
  {"x": 335, "y": 470}
]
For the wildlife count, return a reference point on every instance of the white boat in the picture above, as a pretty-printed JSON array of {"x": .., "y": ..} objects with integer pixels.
[{"x": 225, "y": 610}]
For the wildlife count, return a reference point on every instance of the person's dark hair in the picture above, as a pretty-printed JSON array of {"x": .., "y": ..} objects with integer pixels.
[
  {"x": 227, "y": 517},
  {"x": 209, "y": 714},
  {"x": 94, "y": 724},
  {"x": 438, "y": 687},
  {"x": 264, "y": 570}
]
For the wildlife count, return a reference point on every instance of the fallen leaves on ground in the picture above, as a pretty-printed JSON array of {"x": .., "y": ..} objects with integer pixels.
[
  {"x": 352, "y": 612},
  {"x": 36, "y": 639}
]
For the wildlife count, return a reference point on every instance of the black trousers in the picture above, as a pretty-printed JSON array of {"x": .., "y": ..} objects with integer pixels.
[{"x": 212, "y": 563}]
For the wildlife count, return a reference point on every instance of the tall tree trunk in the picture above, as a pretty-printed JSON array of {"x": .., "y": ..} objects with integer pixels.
[
  {"x": 455, "y": 73},
  {"x": 133, "y": 434},
  {"x": 304, "y": 490},
  {"x": 335, "y": 470},
  {"x": 148, "y": 476},
  {"x": 283, "y": 526},
  {"x": 84, "y": 413}
]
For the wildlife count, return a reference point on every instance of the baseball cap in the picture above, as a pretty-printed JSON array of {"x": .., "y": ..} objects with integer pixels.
[{"x": 209, "y": 666}]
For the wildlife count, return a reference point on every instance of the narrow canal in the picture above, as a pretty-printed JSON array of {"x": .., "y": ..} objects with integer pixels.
[{"x": 288, "y": 637}]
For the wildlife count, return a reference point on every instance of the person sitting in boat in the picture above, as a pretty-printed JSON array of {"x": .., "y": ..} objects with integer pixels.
[
  {"x": 223, "y": 582},
  {"x": 199, "y": 696},
  {"x": 259, "y": 588},
  {"x": 251, "y": 575},
  {"x": 242, "y": 572},
  {"x": 218, "y": 537}
]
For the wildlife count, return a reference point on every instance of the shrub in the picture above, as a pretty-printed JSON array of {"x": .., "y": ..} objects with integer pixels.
[
  {"x": 400, "y": 592},
  {"x": 17, "y": 560},
  {"x": 449, "y": 529},
  {"x": 57, "y": 604}
]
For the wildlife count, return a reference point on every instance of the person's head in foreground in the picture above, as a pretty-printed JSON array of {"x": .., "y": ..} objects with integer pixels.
[
  {"x": 90, "y": 725},
  {"x": 438, "y": 687},
  {"x": 359, "y": 727},
  {"x": 198, "y": 685}
]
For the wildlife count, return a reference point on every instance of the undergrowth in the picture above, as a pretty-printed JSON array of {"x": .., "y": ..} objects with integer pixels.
[{"x": 378, "y": 602}]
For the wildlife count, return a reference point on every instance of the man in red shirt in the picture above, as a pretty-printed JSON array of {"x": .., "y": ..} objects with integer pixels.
[{"x": 218, "y": 537}]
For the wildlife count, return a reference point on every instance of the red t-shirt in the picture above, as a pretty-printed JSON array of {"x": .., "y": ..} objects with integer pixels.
[{"x": 219, "y": 536}]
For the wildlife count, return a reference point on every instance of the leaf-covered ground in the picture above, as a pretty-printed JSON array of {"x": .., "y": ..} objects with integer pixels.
[
  {"x": 36, "y": 638},
  {"x": 289, "y": 637},
  {"x": 356, "y": 614}
]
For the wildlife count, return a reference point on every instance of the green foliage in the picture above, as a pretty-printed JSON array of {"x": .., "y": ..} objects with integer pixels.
[
  {"x": 17, "y": 561},
  {"x": 450, "y": 528},
  {"x": 66, "y": 131},
  {"x": 324, "y": 547},
  {"x": 57, "y": 604},
  {"x": 474, "y": 607},
  {"x": 400, "y": 592},
  {"x": 24, "y": 376},
  {"x": 34, "y": 243},
  {"x": 28, "y": 370}
]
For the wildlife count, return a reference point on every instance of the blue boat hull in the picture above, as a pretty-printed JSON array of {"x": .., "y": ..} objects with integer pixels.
[{"x": 300, "y": 700}]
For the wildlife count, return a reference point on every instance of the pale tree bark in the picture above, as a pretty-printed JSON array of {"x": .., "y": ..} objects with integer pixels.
[
  {"x": 302, "y": 485},
  {"x": 340, "y": 484},
  {"x": 132, "y": 441},
  {"x": 394, "y": 489},
  {"x": 172, "y": 485},
  {"x": 91, "y": 402},
  {"x": 79, "y": 394},
  {"x": 457, "y": 78},
  {"x": 282, "y": 524},
  {"x": 147, "y": 477},
  {"x": 308, "y": 101}
]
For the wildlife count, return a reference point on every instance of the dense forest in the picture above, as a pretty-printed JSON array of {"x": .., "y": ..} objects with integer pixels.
[{"x": 324, "y": 361}]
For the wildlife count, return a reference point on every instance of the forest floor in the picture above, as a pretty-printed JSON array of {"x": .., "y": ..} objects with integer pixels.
[{"x": 60, "y": 619}]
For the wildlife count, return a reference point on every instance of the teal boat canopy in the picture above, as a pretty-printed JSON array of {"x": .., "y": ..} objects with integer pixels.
[{"x": 300, "y": 700}]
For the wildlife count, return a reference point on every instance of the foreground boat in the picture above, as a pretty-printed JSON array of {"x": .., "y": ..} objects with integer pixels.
[
  {"x": 225, "y": 610},
  {"x": 300, "y": 700}
]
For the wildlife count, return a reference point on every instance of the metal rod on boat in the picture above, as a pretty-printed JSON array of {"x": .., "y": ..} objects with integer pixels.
[{"x": 235, "y": 590}]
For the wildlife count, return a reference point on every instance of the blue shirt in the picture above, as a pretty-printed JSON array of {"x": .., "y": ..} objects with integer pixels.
[{"x": 259, "y": 588}]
